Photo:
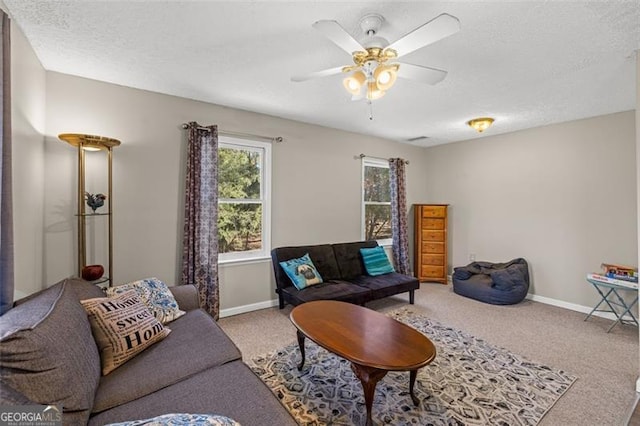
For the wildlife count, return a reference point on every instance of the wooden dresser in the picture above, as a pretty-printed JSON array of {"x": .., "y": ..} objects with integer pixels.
[{"x": 431, "y": 242}]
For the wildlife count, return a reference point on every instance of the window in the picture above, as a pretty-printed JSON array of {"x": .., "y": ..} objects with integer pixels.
[
  {"x": 244, "y": 183},
  {"x": 376, "y": 201}
]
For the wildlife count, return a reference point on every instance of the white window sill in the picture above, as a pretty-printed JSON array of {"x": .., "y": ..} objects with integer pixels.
[{"x": 244, "y": 261}]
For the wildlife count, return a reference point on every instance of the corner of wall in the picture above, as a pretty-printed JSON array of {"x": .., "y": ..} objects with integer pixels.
[{"x": 28, "y": 103}]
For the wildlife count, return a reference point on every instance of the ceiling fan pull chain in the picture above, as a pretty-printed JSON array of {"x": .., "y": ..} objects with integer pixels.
[{"x": 370, "y": 109}]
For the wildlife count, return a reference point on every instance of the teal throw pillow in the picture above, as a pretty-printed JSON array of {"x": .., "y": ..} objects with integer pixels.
[
  {"x": 376, "y": 261},
  {"x": 301, "y": 271}
]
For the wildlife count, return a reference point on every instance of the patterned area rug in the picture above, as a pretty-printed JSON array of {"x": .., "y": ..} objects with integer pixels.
[{"x": 469, "y": 383}]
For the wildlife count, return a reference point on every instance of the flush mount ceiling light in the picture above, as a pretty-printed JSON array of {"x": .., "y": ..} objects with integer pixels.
[
  {"x": 480, "y": 124},
  {"x": 375, "y": 65}
]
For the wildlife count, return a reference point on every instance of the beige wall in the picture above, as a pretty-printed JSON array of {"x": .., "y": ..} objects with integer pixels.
[
  {"x": 316, "y": 180},
  {"x": 28, "y": 124},
  {"x": 537, "y": 193},
  {"x": 561, "y": 196}
]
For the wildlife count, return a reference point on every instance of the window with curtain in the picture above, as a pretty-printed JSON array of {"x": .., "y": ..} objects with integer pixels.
[
  {"x": 244, "y": 176},
  {"x": 376, "y": 201}
]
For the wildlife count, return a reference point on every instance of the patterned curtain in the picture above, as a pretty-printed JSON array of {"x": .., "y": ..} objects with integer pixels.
[
  {"x": 200, "y": 242},
  {"x": 6, "y": 206},
  {"x": 399, "y": 229}
]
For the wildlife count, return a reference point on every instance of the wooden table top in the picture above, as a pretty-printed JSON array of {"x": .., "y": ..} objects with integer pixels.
[{"x": 363, "y": 336}]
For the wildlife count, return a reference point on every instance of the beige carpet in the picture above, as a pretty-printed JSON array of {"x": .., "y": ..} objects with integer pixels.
[{"x": 606, "y": 363}]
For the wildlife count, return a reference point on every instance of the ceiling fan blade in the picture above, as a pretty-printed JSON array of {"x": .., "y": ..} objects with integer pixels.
[
  {"x": 334, "y": 32},
  {"x": 316, "y": 74},
  {"x": 421, "y": 74},
  {"x": 438, "y": 28}
]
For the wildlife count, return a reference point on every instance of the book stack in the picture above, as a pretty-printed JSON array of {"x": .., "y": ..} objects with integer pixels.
[
  {"x": 620, "y": 272},
  {"x": 625, "y": 276}
]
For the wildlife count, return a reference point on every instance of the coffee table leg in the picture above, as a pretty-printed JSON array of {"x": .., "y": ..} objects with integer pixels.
[
  {"x": 369, "y": 377},
  {"x": 412, "y": 380},
  {"x": 301, "y": 344}
]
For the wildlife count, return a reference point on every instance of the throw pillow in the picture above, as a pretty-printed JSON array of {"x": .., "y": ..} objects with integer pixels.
[
  {"x": 155, "y": 295},
  {"x": 182, "y": 419},
  {"x": 301, "y": 271},
  {"x": 376, "y": 261},
  {"x": 123, "y": 327}
]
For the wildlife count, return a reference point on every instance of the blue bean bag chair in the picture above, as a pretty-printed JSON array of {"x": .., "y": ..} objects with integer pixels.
[{"x": 495, "y": 283}]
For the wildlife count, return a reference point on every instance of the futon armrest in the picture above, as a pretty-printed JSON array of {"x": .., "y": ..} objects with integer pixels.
[{"x": 186, "y": 296}]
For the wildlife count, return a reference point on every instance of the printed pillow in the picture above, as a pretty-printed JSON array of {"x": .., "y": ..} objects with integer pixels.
[
  {"x": 301, "y": 271},
  {"x": 182, "y": 419},
  {"x": 156, "y": 295},
  {"x": 122, "y": 327},
  {"x": 376, "y": 261}
]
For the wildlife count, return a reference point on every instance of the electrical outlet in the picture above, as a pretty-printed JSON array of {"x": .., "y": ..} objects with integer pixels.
[{"x": 472, "y": 257}]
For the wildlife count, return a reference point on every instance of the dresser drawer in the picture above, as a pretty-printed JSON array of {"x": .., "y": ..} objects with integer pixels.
[
  {"x": 429, "y": 247},
  {"x": 433, "y": 259},
  {"x": 432, "y": 223},
  {"x": 430, "y": 271},
  {"x": 434, "y": 211},
  {"x": 433, "y": 236}
]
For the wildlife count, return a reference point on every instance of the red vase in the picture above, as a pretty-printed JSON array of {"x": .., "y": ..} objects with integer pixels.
[{"x": 92, "y": 272}]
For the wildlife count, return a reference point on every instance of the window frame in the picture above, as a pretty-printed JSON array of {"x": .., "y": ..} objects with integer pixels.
[
  {"x": 371, "y": 162},
  {"x": 265, "y": 199}
]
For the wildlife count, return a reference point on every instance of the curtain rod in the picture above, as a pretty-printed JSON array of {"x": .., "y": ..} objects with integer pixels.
[
  {"x": 361, "y": 156},
  {"x": 277, "y": 139}
]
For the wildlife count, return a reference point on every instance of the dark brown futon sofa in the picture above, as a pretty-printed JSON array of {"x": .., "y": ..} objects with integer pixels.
[{"x": 343, "y": 274}]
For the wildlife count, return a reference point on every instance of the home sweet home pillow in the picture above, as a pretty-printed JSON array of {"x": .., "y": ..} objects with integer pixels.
[{"x": 122, "y": 327}]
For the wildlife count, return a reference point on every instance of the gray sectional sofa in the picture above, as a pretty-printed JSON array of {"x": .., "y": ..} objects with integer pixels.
[
  {"x": 48, "y": 356},
  {"x": 344, "y": 275}
]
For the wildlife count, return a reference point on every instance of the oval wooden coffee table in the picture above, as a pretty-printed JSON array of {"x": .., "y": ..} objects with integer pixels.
[{"x": 374, "y": 343}]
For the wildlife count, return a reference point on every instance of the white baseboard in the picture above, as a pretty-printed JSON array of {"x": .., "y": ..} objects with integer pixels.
[
  {"x": 570, "y": 306},
  {"x": 638, "y": 385},
  {"x": 248, "y": 308},
  {"x": 546, "y": 300}
]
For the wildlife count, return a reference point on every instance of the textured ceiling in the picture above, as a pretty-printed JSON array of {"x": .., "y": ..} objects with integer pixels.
[{"x": 526, "y": 63}]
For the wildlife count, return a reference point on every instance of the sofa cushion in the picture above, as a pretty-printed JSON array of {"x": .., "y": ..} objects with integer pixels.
[
  {"x": 10, "y": 396},
  {"x": 376, "y": 261},
  {"x": 331, "y": 290},
  {"x": 322, "y": 256},
  {"x": 155, "y": 295},
  {"x": 387, "y": 284},
  {"x": 195, "y": 344},
  {"x": 186, "y": 296},
  {"x": 123, "y": 327},
  {"x": 349, "y": 258},
  {"x": 231, "y": 390},
  {"x": 47, "y": 352},
  {"x": 301, "y": 271}
]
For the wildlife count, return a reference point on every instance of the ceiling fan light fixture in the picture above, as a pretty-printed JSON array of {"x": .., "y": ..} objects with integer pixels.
[
  {"x": 373, "y": 92},
  {"x": 385, "y": 76},
  {"x": 481, "y": 123},
  {"x": 354, "y": 82}
]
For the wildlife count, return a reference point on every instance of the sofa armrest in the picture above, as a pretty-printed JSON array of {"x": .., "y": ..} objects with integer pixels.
[{"x": 186, "y": 296}]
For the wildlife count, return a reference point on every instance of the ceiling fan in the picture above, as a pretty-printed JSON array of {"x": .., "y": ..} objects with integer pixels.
[{"x": 375, "y": 60}]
